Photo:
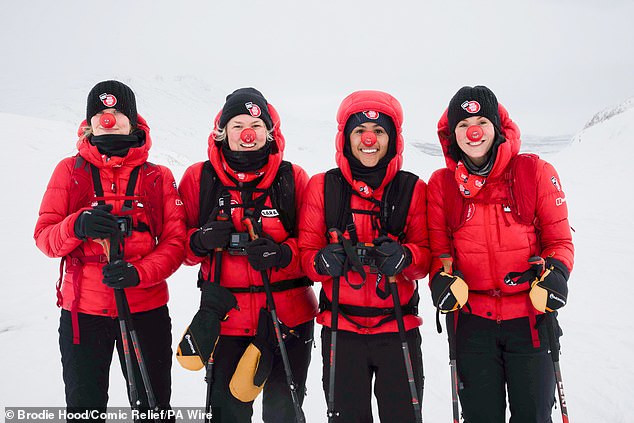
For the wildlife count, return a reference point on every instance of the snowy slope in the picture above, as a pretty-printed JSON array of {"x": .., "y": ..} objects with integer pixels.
[{"x": 595, "y": 364}]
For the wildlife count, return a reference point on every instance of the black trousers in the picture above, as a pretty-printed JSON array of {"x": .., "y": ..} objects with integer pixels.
[
  {"x": 361, "y": 357},
  {"x": 86, "y": 366},
  {"x": 277, "y": 405},
  {"x": 494, "y": 359}
]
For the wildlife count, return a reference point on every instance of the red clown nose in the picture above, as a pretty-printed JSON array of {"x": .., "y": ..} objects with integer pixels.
[
  {"x": 368, "y": 138},
  {"x": 247, "y": 135},
  {"x": 107, "y": 120},
  {"x": 474, "y": 133}
]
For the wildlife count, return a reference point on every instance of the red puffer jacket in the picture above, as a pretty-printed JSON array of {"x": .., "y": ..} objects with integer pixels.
[
  {"x": 154, "y": 259},
  {"x": 294, "y": 306},
  {"x": 313, "y": 227},
  {"x": 491, "y": 243}
]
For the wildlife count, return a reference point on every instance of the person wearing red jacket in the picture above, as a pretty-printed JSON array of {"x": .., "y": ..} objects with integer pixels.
[
  {"x": 369, "y": 146},
  {"x": 76, "y": 222},
  {"x": 491, "y": 211},
  {"x": 245, "y": 181}
]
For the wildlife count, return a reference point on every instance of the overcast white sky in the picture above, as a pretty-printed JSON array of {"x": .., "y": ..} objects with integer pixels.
[{"x": 552, "y": 63}]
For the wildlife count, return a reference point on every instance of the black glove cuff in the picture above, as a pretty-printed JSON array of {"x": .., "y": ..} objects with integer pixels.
[
  {"x": 286, "y": 255},
  {"x": 408, "y": 257},
  {"x": 77, "y": 228},
  {"x": 558, "y": 266},
  {"x": 195, "y": 246}
]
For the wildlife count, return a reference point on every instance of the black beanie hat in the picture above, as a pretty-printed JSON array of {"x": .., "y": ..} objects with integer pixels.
[
  {"x": 245, "y": 101},
  {"x": 473, "y": 101},
  {"x": 381, "y": 119},
  {"x": 111, "y": 95}
]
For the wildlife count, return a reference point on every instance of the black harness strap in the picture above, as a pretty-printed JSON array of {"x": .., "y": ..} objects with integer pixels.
[
  {"x": 281, "y": 192},
  {"x": 389, "y": 214},
  {"x": 275, "y": 287},
  {"x": 129, "y": 193},
  {"x": 348, "y": 311}
]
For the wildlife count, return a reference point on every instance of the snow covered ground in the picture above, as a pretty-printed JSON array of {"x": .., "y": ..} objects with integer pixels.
[{"x": 555, "y": 65}]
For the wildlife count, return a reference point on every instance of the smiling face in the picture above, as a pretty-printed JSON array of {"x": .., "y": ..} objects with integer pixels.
[
  {"x": 121, "y": 127},
  {"x": 237, "y": 124},
  {"x": 369, "y": 156},
  {"x": 477, "y": 151}
]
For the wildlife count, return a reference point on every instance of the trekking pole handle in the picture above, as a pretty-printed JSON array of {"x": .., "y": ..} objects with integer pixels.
[
  {"x": 537, "y": 263},
  {"x": 530, "y": 276},
  {"x": 248, "y": 222},
  {"x": 447, "y": 263}
]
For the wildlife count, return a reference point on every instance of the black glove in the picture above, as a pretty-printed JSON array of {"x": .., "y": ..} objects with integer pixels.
[
  {"x": 550, "y": 292},
  {"x": 266, "y": 342},
  {"x": 329, "y": 260},
  {"x": 264, "y": 254},
  {"x": 202, "y": 333},
  {"x": 448, "y": 292},
  {"x": 96, "y": 223},
  {"x": 217, "y": 299},
  {"x": 390, "y": 256},
  {"x": 120, "y": 274},
  {"x": 214, "y": 234}
]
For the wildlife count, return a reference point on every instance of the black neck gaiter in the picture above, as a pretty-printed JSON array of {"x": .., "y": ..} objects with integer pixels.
[
  {"x": 373, "y": 176},
  {"x": 117, "y": 144},
  {"x": 246, "y": 161}
]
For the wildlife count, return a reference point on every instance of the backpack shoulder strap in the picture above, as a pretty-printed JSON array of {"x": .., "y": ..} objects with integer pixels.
[
  {"x": 282, "y": 193},
  {"x": 336, "y": 200},
  {"x": 210, "y": 191},
  {"x": 396, "y": 202}
]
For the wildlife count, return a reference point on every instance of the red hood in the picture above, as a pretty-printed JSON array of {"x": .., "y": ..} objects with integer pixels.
[
  {"x": 506, "y": 150},
  {"x": 214, "y": 151},
  {"x": 135, "y": 157},
  {"x": 361, "y": 101}
]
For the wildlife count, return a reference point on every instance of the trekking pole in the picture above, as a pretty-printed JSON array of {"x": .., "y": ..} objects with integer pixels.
[
  {"x": 447, "y": 263},
  {"x": 334, "y": 326},
  {"x": 115, "y": 252},
  {"x": 223, "y": 202},
  {"x": 538, "y": 266},
  {"x": 407, "y": 358},
  {"x": 299, "y": 414},
  {"x": 554, "y": 353}
]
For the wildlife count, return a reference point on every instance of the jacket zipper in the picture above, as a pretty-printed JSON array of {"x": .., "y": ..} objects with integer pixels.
[{"x": 492, "y": 263}]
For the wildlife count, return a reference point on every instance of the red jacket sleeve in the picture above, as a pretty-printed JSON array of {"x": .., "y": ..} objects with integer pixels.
[
  {"x": 416, "y": 235},
  {"x": 189, "y": 190},
  {"x": 169, "y": 252},
  {"x": 312, "y": 226},
  {"x": 439, "y": 239},
  {"x": 294, "y": 269},
  {"x": 54, "y": 230},
  {"x": 552, "y": 217}
]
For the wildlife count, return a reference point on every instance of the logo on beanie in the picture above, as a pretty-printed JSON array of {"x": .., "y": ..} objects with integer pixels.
[
  {"x": 108, "y": 100},
  {"x": 254, "y": 109},
  {"x": 471, "y": 106},
  {"x": 371, "y": 114}
]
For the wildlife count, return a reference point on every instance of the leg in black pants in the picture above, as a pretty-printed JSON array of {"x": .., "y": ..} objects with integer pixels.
[
  {"x": 86, "y": 366},
  {"x": 362, "y": 357},
  {"x": 154, "y": 329},
  {"x": 494, "y": 357},
  {"x": 277, "y": 406}
]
